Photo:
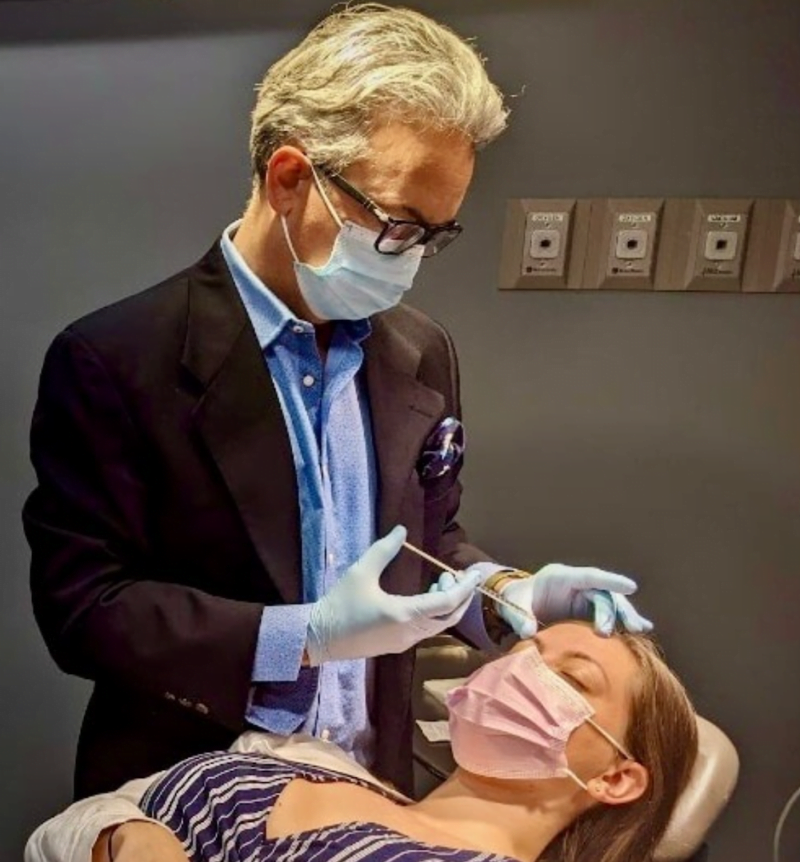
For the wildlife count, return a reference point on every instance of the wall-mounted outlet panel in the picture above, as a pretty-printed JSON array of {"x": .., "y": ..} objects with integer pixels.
[
  {"x": 676, "y": 244},
  {"x": 623, "y": 243},
  {"x": 773, "y": 259},
  {"x": 704, "y": 244},
  {"x": 544, "y": 244}
]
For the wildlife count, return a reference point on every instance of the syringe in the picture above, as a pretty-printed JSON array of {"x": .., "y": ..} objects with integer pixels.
[{"x": 481, "y": 589}]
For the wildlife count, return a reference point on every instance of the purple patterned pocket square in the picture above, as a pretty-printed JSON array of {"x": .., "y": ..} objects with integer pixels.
[{"x": 443, "y": 449}]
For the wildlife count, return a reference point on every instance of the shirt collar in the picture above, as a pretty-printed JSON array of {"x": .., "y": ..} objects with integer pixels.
[{"x": 269, "y": 315}]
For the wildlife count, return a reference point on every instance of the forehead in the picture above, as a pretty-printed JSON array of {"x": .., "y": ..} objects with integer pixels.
[{"x": 427, "y": 169}]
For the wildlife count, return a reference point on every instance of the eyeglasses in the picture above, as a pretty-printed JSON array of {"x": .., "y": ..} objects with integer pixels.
[{"x": 399, "y": 235}]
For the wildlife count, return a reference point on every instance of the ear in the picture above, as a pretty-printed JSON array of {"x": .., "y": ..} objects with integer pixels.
[
  {"x": 620, "y": 784},
  {"x": 287, "y": 180}
]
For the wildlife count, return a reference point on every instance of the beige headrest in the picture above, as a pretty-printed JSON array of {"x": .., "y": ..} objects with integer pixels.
[
  {"x": 713, "y": 779},
  {"x": 444, "y": 662}
]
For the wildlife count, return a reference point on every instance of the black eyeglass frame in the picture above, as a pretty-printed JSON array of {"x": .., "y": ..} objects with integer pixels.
[{"x": 451, "y": 229}]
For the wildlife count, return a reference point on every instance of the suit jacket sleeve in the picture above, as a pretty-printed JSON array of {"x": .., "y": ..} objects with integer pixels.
[{"x": 104, "y": 612}]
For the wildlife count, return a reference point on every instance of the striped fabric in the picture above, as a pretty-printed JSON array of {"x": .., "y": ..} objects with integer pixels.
[{"x": 217, "y": 804}]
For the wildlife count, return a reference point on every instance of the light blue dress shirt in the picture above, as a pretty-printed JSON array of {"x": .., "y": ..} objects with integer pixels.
[{"x": 330, "y": 431}]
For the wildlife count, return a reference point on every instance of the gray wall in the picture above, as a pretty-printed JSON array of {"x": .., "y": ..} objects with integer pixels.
[{"x": 652, "y": 434}]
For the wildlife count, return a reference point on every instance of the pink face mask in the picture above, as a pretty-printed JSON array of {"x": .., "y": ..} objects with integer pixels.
[{"x": 512, "y": 719}]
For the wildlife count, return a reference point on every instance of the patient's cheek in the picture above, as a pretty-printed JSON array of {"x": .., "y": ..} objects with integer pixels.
[{"x": 587, "y": 754}]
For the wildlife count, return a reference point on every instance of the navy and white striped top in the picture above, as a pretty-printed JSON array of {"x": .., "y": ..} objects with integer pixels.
[{"x": 217, "y": 804}]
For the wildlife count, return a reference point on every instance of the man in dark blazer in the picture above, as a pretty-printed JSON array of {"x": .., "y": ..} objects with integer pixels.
[{"x": 218, "y": 456}]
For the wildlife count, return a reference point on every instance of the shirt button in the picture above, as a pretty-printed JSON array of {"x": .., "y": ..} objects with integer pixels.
[
  {"x": 297, "y": 329},
  {"x": 308, "y": 380},
  {"x": 325, "y": 735},
  {"x": 331, "y": 558}
]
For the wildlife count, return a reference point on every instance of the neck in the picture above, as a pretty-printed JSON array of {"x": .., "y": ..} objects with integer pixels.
[
  {"x": 260, "y": 241},
  {"x": 496, "y": 817}
]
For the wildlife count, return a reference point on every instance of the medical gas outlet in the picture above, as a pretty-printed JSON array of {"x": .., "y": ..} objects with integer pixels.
[{"x": 662, "y": 244}]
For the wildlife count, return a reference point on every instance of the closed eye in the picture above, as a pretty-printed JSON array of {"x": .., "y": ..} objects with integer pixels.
[
  {"x": 585, "y": 673},
  {"x": 574, "y": 681}
]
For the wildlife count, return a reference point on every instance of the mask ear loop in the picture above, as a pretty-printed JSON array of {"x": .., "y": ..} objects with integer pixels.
[
  {"x": 288, "y": 238},
  {"x": 617, "y": 747},
  {"x": 325, "y": 198},
  {"x": 575, "y": 778},
  {"x": 604, "y": 733}
]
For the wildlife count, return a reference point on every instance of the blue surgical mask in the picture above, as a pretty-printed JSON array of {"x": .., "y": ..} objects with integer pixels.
[{"x": 357, "y": 281}]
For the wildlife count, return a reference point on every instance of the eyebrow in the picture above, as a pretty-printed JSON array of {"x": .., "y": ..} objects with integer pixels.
[
  {"x": 415, "y": 213},
  {"x": 409, "y": 210},
  {"x": 412, "y": 211},
  {"x": 585, "y": 657}
]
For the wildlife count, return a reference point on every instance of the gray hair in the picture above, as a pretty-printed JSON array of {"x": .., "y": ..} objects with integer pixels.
[{"x": 367, "y": 64}]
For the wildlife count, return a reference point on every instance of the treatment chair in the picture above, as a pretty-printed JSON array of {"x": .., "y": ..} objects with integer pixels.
[{"x": 443, "y": 662}]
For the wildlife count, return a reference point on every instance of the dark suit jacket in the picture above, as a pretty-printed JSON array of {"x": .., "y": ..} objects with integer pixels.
[{"x": 166, "y": 514}]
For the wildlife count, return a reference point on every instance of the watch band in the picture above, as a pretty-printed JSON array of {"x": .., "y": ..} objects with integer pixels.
[
  {"x": 505, "y": 574},
  {"x": 496, "y": 627}
]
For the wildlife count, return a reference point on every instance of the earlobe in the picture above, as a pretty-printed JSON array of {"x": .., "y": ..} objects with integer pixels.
[
  {"x": 287, "y": 179},
  {"x": 625, "y": 783}
]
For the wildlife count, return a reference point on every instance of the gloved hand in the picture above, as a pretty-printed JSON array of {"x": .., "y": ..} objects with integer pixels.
[
  {"x": 357, "y": 619},
  {"x": 560, "y": 592}
]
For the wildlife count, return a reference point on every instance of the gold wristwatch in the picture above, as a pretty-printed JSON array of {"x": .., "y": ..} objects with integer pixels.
[{"x": 496, "y": 627}]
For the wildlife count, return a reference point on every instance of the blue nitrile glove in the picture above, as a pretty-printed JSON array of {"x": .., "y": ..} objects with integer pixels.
[
  {"x": 357, "y": 619},
  {"x": 446, "y": 580},
  {"x": 560, "y": 592}
]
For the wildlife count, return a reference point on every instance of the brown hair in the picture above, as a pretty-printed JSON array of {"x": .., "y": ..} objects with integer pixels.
[{"x": 662, "y": 735}]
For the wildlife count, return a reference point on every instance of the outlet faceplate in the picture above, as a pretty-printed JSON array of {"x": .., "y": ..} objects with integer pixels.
[
  {"x": 546, "y": 243},
  {"x": 773, "y": 264},
  {"x": 623, "y": 243},
  {"x": 705, "y": 244},
  {"x": 543, "y": 244}
]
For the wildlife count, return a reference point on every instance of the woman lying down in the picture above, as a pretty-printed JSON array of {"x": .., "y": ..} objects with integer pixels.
[{"x": 569, "y": 747}]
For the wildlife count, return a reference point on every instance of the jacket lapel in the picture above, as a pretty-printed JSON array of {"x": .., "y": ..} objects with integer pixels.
[
  {"x": 240, "y": 420},
  {"x": 404, "y": 411}
]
